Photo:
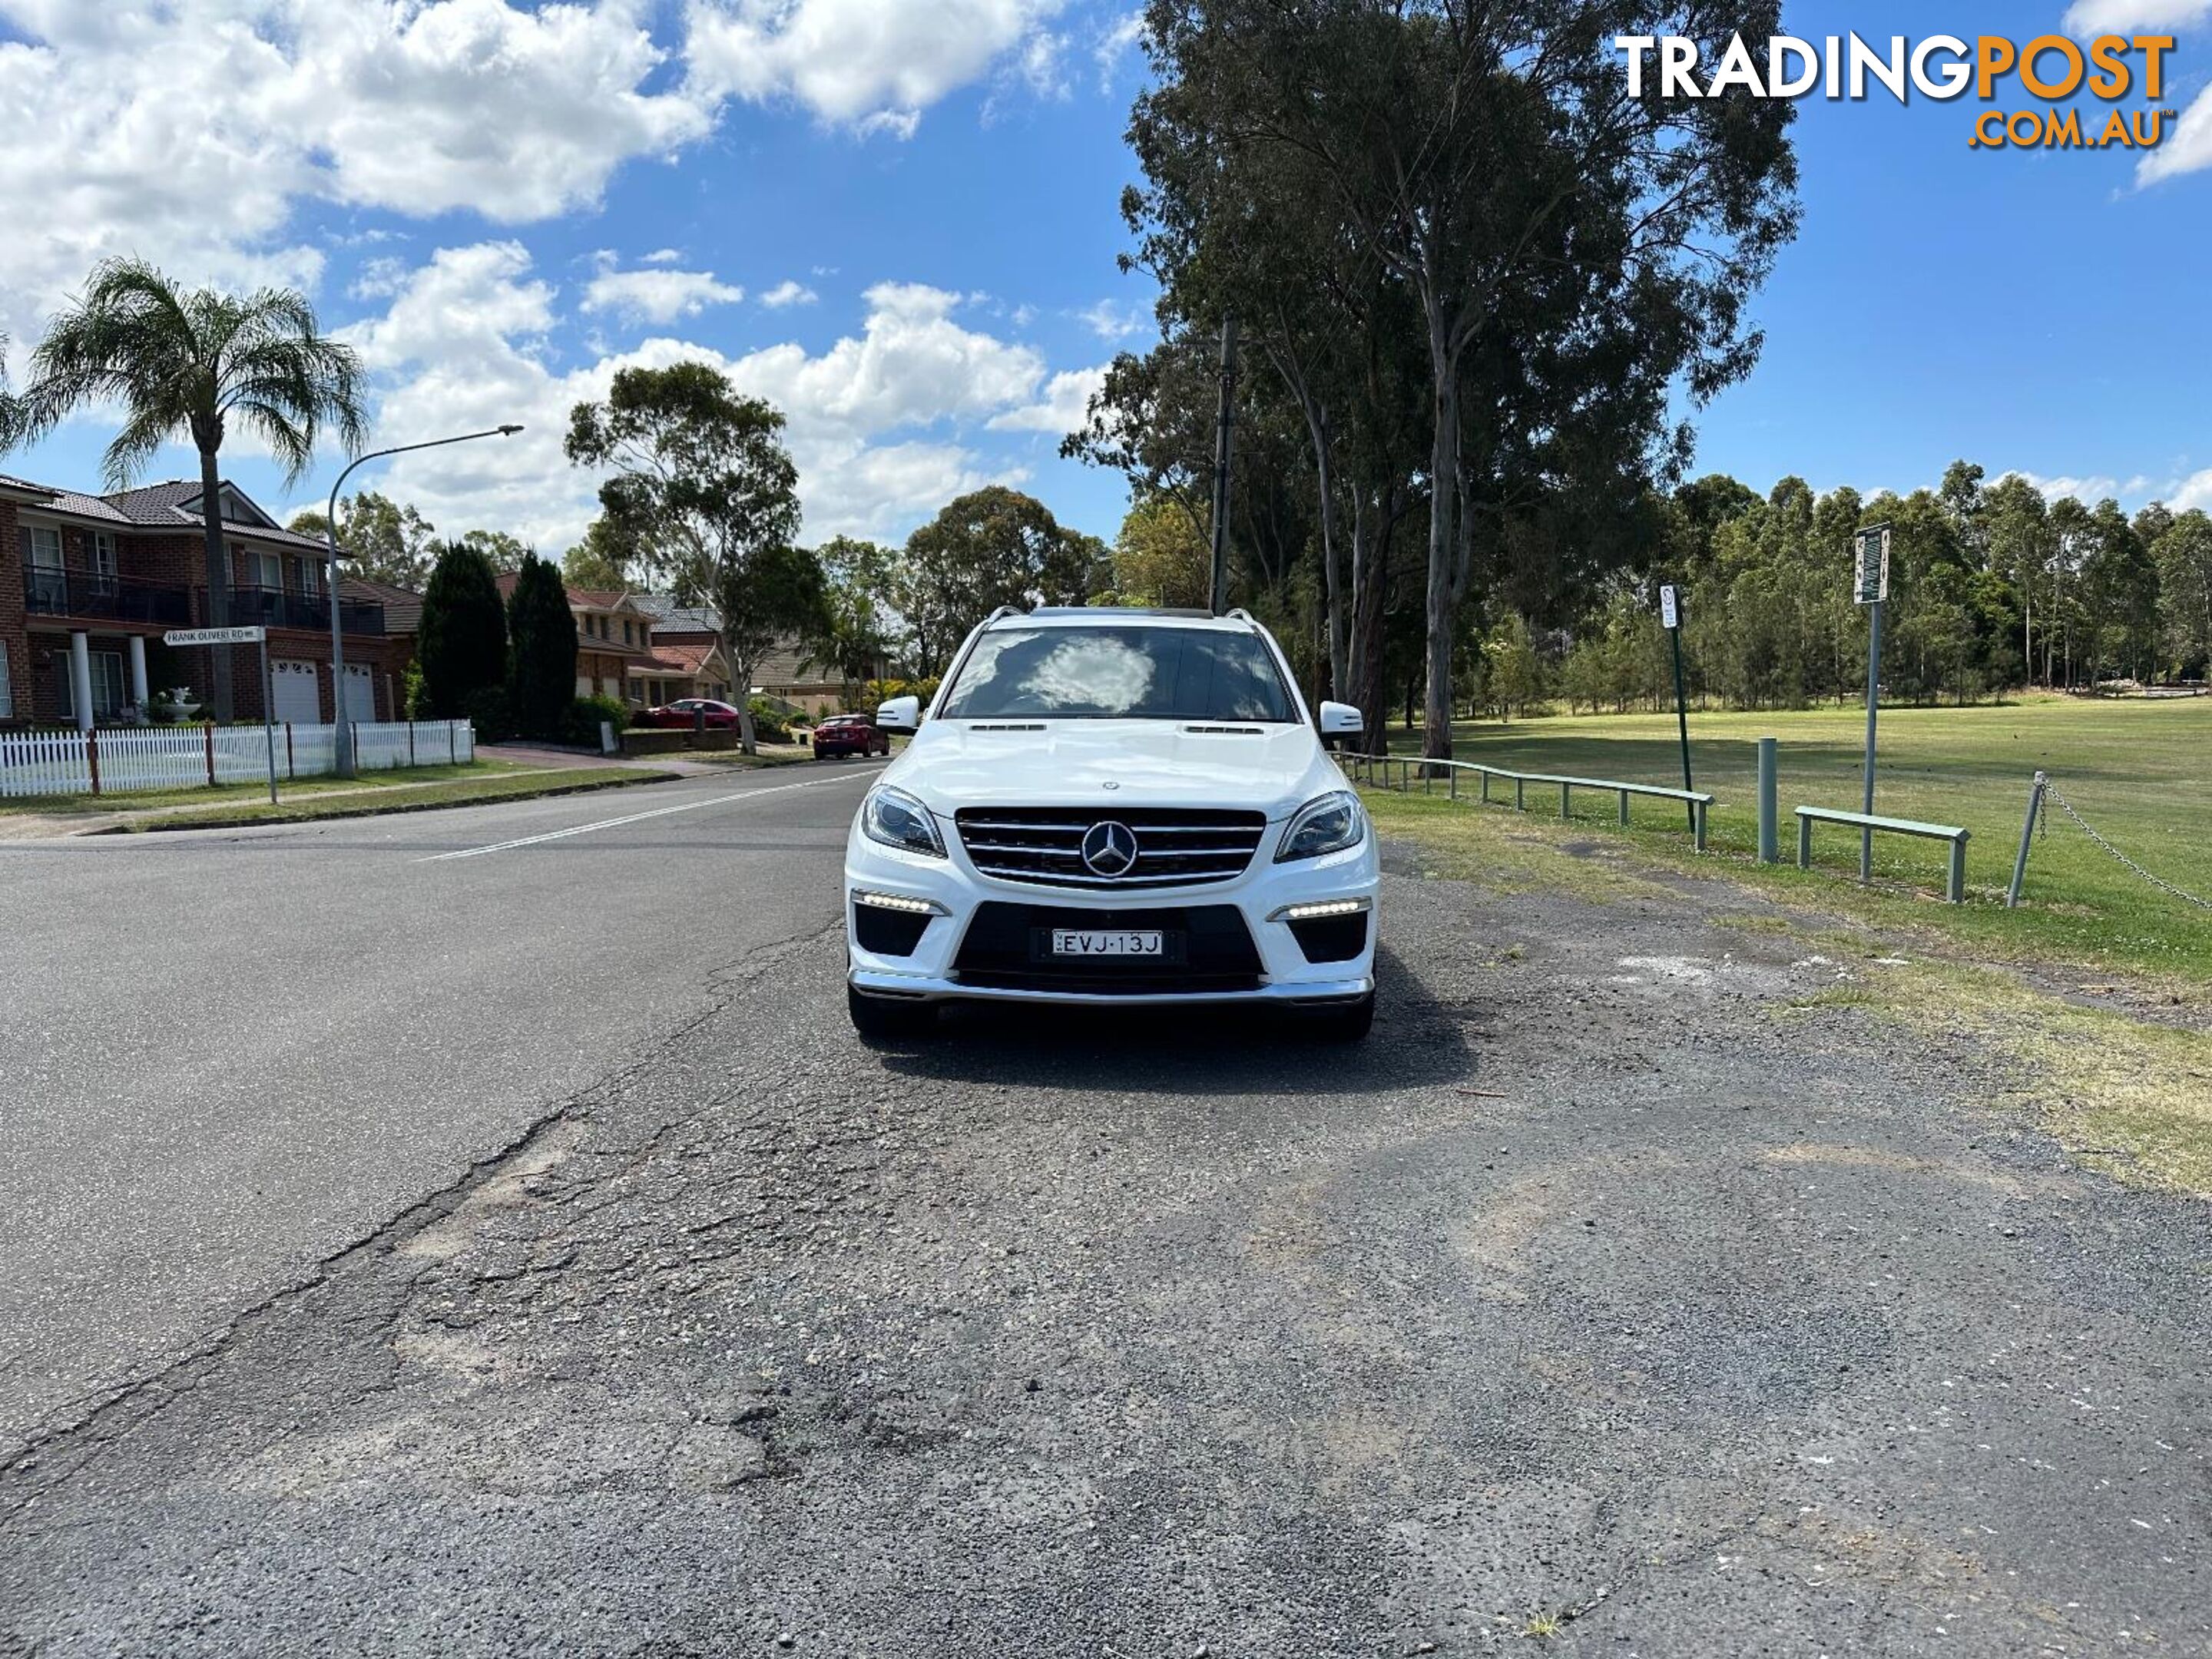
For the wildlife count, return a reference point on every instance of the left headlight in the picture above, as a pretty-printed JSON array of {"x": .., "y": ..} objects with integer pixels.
[
  {"x": 1327, "y": 825},
  {"x": 898, "y": 819}
]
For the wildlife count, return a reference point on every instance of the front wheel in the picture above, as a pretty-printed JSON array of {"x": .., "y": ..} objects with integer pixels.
[
  {"x": 1348, "y": 1022},
  {"x": 889, "y": 1019}
]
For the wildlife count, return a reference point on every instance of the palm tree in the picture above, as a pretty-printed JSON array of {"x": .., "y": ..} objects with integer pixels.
[{"x": 189, "y": 363}]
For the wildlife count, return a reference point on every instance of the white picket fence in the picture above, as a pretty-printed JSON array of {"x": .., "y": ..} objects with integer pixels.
[{"x": 179, "y": 756}]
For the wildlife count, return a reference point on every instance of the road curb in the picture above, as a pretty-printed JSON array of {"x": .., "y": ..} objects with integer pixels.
[{"x": 375, "y": 810}]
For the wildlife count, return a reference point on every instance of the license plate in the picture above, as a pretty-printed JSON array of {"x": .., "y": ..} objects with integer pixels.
[{"x": 1074, "y": 942}]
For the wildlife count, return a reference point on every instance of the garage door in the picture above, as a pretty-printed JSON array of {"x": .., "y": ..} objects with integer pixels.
[
  {"x": 299, "y": 691},
  {"x": 361, "y": 696}
]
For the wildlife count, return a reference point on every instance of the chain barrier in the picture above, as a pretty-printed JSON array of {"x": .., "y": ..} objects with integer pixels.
[{"x": 2159, "y": 882}]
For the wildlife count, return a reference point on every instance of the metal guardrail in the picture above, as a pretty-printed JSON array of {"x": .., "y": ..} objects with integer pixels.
[
  {"x": 1870, "y": 823},
  {"x": 1362, "y": 769}
]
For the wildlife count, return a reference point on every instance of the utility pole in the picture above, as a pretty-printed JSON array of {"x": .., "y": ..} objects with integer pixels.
[{"x": 1223, "y": 433}]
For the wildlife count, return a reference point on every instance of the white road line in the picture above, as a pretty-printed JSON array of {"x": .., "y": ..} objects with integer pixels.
[{"x": 640, "y": 817}]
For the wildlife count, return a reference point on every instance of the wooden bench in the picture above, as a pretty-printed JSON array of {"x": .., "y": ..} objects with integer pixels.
[{"x": 1868, "y": 822}]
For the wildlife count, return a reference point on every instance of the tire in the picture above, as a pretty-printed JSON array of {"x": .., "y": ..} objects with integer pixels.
[
  {"x": 889, "y": 1019},
  {"x": 1347, "y": 1023}
]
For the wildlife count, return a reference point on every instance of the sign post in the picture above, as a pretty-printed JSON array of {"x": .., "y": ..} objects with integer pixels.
[
  {"x": 217, "y": 639},
  {"x": 1670, "y": 617},
  {"x": 1870, "y": 587}
]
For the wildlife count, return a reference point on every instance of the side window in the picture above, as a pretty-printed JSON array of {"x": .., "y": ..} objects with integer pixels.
[{"x": 7, "y": 686}]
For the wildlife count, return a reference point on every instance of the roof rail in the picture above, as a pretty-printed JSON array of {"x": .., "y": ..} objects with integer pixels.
[
  {"x": 1004, "y": 611},
  {"x": 1239, "y": 614}
]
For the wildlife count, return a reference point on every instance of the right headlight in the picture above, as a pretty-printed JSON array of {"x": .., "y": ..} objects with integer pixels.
[
  {"x": 898, "y": 819},
  {"x": 1326, "y": 826}
]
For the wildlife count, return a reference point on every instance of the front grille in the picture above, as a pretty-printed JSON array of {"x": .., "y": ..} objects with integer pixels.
[
  {"x": 1210, "y": 949},
  {"x": 1176, "y": 846}
]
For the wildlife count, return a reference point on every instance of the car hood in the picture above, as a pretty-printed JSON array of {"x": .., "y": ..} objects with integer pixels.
[{"x": 955, "y": 764}]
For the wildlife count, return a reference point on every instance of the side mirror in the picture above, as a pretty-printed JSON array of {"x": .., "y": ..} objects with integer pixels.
[
  {"x": 1341, "y": 719},
  {"x": 900, "y": 715}
]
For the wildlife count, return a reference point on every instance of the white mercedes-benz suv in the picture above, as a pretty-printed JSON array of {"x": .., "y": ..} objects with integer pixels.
[{"x": 1113, "y": 807}]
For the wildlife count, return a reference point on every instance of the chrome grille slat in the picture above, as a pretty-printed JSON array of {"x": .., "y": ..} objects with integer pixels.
[{"x": 1176, "y": 847}]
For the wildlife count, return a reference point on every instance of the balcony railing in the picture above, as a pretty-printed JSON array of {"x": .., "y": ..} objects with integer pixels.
[
  {"x": 277, "y": 607},
  {"x": 51, "y": 593}
]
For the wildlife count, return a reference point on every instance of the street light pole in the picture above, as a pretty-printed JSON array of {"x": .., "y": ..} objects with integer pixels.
[{"x": 342, "y": 731}]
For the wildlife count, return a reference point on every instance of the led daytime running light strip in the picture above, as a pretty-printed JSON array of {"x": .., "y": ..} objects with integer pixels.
[
  {"x": 901, "y": 902},
  {"x": 1316, "y": 912}
]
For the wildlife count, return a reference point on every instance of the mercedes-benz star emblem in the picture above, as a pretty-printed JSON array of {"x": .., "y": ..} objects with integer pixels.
[{"x": 1109, "y": 849}]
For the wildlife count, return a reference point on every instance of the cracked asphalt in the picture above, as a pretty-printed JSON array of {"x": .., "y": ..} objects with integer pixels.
[{"x": 1610, "y": 1300}]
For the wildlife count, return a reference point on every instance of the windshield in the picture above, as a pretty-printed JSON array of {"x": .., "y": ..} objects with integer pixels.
[{"x": 1120, "y": 673}]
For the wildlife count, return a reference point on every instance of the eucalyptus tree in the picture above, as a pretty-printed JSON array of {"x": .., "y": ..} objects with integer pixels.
[
  {"x": 703, "y": 492},
  {"x": 1567, "y": 248},
  {"x": 194, "y": 363}
]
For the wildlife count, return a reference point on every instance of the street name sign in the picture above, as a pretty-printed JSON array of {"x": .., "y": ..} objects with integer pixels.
[
  {"x": 1670, "y": 608},
  {"x": 215, "y": 636},
  {"x": 1870, "y": 573}
]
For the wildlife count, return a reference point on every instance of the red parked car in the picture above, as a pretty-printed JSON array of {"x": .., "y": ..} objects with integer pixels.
[
  {"x": 849, "y": 734},
  {"x": 682, "y": 714}
]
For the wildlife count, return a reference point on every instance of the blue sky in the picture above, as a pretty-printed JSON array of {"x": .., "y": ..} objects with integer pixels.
[{"x": 899, "y": 221}]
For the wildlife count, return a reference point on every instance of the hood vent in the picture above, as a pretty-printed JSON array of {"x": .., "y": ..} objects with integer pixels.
[
  {"x": 1223, "y": 732},
  {"x": 1005, "y": 726}
]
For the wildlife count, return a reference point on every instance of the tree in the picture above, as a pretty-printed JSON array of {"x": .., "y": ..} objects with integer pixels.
[
  {"x": 506, "y": 553},
  {"x": 601, "y": 561},
  {"x": 1573, "y": 255},
  {"x": 541, "y": 631},
  {"x": 994, "y": 547},
  {"x": 854, "y": 627},
  {"x": 191, "y": 363},
  {"x": 2183, "y": 552},
  {"x": 1161, "y": 558},
  {"x": 461, "y": 645},
  {"x": 706, "y": 494},
  {"x": 383, "y": 540}
]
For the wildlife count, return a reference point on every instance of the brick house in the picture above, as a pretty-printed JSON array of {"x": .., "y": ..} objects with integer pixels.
[
  {"x": 814, "y": 688},
  {"x": 614, "y": 640},
  {"x": 94, "y": 582}
]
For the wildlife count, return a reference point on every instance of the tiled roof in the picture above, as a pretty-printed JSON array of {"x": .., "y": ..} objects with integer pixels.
[
  {"x": 152, "y": 506},
  {"x": 685, "y": 658},
  {"x": 403, "y": 607},
  {"x": 673, "y": 618}
]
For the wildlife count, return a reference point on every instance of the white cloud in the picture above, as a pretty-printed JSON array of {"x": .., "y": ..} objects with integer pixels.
[
  {"x": 2196, "y": 491},
  {"x": 872, "y": 64},
  {"x": 788, "y": 292},
  {"x": 1111, "y": 322},
  {"x": 1118, "y": 40},
  {"x": 187, "y": 132},
  {"x": 1064, "y": 407},
  {"x": 662, "y": 255},
  {"x": 655, "y": 295},
  {"x": 2088, "y": 490},
  {"x": 873, "y": 421},
  {"x": 2085, "y": 18},
  {"x": 2188, "y": 146}
]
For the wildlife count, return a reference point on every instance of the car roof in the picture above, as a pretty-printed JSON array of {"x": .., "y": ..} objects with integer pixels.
[{"x": 1076, "y": 615}]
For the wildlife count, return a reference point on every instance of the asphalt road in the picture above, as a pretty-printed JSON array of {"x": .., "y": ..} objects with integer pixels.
[
  {"x": 230, "y": 1053},
  {"x": 1618, "y": 1297}
]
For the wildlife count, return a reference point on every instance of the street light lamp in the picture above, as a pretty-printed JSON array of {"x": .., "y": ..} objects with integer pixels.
[{"x": 342, "y": 735}]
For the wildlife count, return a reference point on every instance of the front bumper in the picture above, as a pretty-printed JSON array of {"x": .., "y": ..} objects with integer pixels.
[{"x": 956, "y": 893}]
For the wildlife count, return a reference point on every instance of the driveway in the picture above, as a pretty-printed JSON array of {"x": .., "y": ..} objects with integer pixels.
[{"x": 1621, "y": 1297}]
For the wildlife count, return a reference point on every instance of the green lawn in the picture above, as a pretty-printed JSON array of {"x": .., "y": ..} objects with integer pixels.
[
  {"x": 228, "y": 793},
  {"x": 477, "y": 786},
  {"x": 2140, "y": 771}
]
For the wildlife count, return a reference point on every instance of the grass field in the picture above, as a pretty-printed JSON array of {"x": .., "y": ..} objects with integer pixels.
[{"x": 2140, "y": 771}]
